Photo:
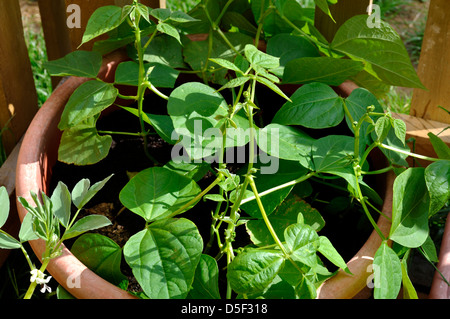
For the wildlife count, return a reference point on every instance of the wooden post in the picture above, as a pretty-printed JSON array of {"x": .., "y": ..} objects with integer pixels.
[
  {"x": 18, "y": 96},
  {"x": 434, "y": 66},
  {"x": 88, "y": 7},
  {"x": 56, "y": 33},
  {"x": 341, "y": 12}
]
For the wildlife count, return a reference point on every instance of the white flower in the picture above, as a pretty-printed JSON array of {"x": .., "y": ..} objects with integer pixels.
[{"x": 39, "y": 277}]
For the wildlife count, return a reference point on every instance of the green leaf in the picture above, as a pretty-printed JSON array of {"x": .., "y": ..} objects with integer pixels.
[
  {"x": 285, "y": 142},
  {"x": 160, "y": 75},
  {"x": 381, "y": 48},
  {"x": 87, "y": 100},
  {"x": 181, "y": 17},
  {"x": 8, "y": 242},
  {"x": 206, "y": 280},
  {"x": 83, "y": 192},
  {"x": 161, "y": 14},
  {"x": 169, "y": 30},
  {"x": 408, "y": 289},
  {"x": 157, "y": 192},
  {"x": 265, "y": 179},
  {"x": 82, "y": 145},
  {"x": 252, "y": 271},
  {"x": 26, "y": 232},
  {"x": 103, "y": 20},
  {"x": 163, "y": 125},
  {"x": 327, "y": 249},
  {"x": 77, "y": 63},
  {"x": 429, "y": 250},
  {"x": 400, "y": 129},
  {"x": 259, "y": 58},
  {"x": 387, "y": 273},
  {"x": 393, "y": 156},
  {"x": 62, "y": 203},
  {"x": 289, "y": 47},
  {"x": 235, "y": 83},
  {"x": 195, "y": 108},
  {"x": 437, "y": 178},
  {"x": 227, "y": 64},
  {"x": 4, "y": 206},
  {"x": 303, "y": 242},
  {"x": 286, "y": 214},
  {"x": 323, "y": 5},
  {"x": 382, "y": 127},
  {"x": 314, "y": 105},
  {"x": 326, "y": 70},
  {"x": 195, "y": 171},
  {"x": 165, "y": 50},
  {"x": 90, "y": 222},
  {"x": 101, "y": 255},
  {"x": 410, "y": 209},
  {"x": 442, "y": 150},
  {"x": 164, "y": 257},
  {"x": 273, "y": 87}
]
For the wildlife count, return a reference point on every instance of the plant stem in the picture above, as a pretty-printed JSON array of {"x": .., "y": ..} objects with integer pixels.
[
  {"x": 423, "y": 157},
  {"x": 32, "y": 287}
]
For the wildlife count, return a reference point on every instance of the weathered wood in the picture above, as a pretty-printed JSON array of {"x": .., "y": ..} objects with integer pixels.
[
  {"x": 18, "y": 95},
  {"x": 88, "y": 7},
  {"x": 341, "y": 12},
  {"x": 418, "y": 128},
  {"x": 434, "y": 66}
]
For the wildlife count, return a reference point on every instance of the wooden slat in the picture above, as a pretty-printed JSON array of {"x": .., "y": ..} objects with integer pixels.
[
  {"x": 434, "y": 66},
  {"x": 341, "y": 12},
  {"x": 56, "y": 33},
  {"x": 418, "y": 128},
  {"x": 17, "y": 89}
]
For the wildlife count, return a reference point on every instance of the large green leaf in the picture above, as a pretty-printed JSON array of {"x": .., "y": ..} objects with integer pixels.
[
  {"x": 289, "y": 47},
  {"x": 286, "y": 214},
  {"x": 103, "y": 20},
  {"x": 381, "y": 49},
  {"x": 82, "y": 145},
  {"x": 437, "y": 177},
  {"x": 326, "y": 70},
  {"x": 77, "y": 63},
  {"x": 159, "y": 75},
  {"x": 254, "y": 270},
  {"x": 195, "y": 108},
  {"x": 285, "y": 142},
  {"x": 4, "y": 206},
  {"x": 164, "y": 257},
  {"x": 302, "y": 241},
  {"x": 101, "y": 255},
  {"x": 157, "y": 192},
  {"x": 387, "y": 273},
  {"x": 410, "y": 207},
  {"x": 87, "y": 100},
  {"x": 314, "y": 105},
  {"x": 442, "y": 150},
  {"x": 206, "y": 280}
]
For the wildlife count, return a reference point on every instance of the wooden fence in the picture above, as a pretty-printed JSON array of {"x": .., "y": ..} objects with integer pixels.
[{"x": 18, "y": 98}]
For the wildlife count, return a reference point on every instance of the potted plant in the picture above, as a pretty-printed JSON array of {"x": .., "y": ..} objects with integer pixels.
[{"x": 255, "y": 159}]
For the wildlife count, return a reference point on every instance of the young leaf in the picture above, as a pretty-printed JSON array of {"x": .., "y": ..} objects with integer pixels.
[
  {"x": 252, "y": 271},
  {"x": 162, "y": 14},
  {"x": 181, "y": 17},
  {"x": 89, "y": 99},
  {"x": 162, "y": 273},
  {"x": 410, "y": 209},
  {"x": 382, "y": 48},
  {"x": 26, "y": 232},
  {"x": 408, "y": 289},
  {"x": 62, "y": 203},
  {"x": 437, "y": 178},
  {"x": 327, "y": 249},
  {"x": 303, "y": 242},
  {"x": 227, "y": 64},
  {"x": 103, "y": 20},
  {"x": 387, "y": 273},
  {"x": 4, "y": 206},
  {"x": 273, "y": 87},
  {"x": 159, "y": 75},
  {"x": 442, "y": 150},
  {"x": 323, "y": 5},
  {"x": 101, "y": 254},
  {"x": 314, "y": 105},
  {"x": 400, "y": 130},
  {"x": 382, "y": 127},
  {"x": 259, "y": 58},
  {"x": 157, "y": 192},
  {"x": 77, "y": 63},
  {"x": 8, "y": 242},
  {"x": 82, "y": 193},
  {"x": 206, "y": 280},
  {"x": 169, "y": 30},
  {"x": 90, "y": 222}
]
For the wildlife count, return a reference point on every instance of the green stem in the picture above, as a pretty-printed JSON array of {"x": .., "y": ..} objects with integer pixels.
[
  {"x": 33, "y": 285},
  {"x": 426, "y": 158},
  {"x": 380, "y": 171}
]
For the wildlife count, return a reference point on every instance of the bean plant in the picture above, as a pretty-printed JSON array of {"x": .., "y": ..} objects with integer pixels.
[{"x": 246, "y": 48}]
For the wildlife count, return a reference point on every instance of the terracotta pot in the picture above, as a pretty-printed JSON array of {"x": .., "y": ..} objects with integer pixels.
[
  {"x": 439, "y": 288},
  {"x": 39, "y": 153}
]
